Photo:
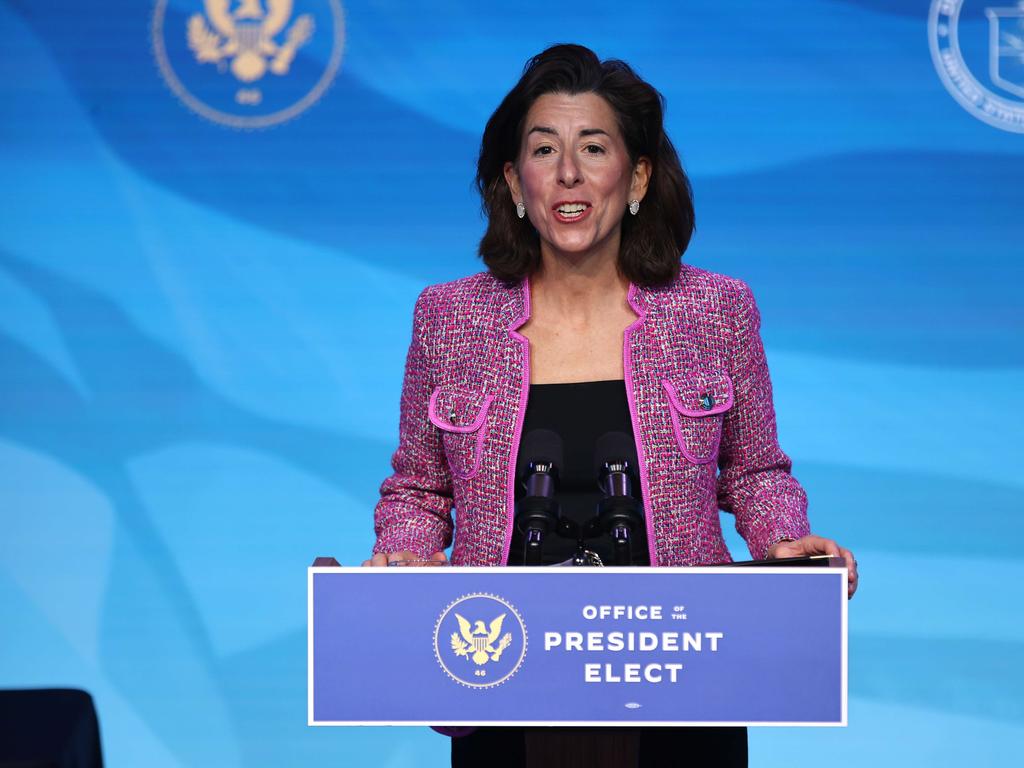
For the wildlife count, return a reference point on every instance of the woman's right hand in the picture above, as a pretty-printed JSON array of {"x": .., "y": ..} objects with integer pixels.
[{"x": 382, "y": 559}]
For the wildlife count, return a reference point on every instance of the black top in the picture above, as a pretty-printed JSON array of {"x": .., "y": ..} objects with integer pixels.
[{"x": 580, "y": 413}]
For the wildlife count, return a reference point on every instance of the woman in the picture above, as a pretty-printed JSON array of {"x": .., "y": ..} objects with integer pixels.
[{"x": 585, "y": 323}]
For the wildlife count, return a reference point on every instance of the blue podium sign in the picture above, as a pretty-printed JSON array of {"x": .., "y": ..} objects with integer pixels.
[{"x": 577, "y": 646}]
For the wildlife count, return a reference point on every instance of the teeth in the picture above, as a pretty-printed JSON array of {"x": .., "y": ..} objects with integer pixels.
[{"x": 572, "y": 208}]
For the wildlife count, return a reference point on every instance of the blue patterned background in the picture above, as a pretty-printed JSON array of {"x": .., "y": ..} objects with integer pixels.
[{"x": 202, "y": 333}]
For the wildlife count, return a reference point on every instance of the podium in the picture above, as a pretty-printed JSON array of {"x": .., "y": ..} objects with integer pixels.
[{"x": 459, "y": 646}]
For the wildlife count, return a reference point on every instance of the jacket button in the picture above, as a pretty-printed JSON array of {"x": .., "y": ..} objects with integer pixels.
[{"x": 707, "y": 402}]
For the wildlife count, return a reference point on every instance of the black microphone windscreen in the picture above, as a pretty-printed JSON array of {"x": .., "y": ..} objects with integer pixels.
[
  {"x": 613, "y": 446},
  {"x": 541, "y": 445}
]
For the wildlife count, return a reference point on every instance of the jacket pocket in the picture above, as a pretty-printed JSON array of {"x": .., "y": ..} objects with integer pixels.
[
  {"x": 697, "y": 402},
  {"x": 461, "y": 415}
]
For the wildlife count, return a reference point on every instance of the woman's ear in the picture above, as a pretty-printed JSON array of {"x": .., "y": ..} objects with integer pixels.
[
  {"x": 641, "y": 179},
  {"x": 512, "y": 179}
]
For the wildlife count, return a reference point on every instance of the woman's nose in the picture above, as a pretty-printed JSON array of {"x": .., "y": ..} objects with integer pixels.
[{"x": 569, "y": 171}]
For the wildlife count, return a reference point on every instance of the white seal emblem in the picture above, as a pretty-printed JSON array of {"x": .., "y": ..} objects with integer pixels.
[
  {"x": 248, "y": 63},
  {"x": 979, "y": 55},
  {"x": 480, "y": 640}
]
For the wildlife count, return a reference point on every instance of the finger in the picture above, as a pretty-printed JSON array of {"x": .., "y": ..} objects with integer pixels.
[
  {"x": 829, "y": 547},
  {"x": 439, "y": 557},
  {"x": 853, "y": 580},
  {"x": 851, "y": 571},
  {"x": 398, "y": 556},
  {"x": 379, "y": 560},
  {"x": 788, "y": 549},
  {"x": 784, "y": 549},
  {"x": 819, "y": 545},
  {"x": 851, "y": 563}
]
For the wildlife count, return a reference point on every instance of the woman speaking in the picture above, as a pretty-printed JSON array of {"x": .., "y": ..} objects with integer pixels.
[{"x": 587, "y": 325}]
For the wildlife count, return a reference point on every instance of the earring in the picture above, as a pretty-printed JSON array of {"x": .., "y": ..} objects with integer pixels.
[
  {"x": 521, "y": 209},
  {"x": 634, "y": 206}
]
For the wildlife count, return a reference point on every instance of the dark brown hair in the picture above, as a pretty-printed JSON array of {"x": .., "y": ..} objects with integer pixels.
[{"x": 652, "y": 241}]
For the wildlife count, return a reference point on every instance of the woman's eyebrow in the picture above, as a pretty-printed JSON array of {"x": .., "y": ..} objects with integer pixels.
[
  {"x": 542, "y": 129},
  {"x": 553, "y": 132}
]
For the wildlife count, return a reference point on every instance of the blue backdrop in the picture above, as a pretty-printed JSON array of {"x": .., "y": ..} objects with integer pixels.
[{"x": 203, "y": 327}]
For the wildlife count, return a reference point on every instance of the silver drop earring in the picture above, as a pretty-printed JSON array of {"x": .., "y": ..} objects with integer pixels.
[
  {"x": 634, "y": 206},
  {"x": 521, "y": 210}
]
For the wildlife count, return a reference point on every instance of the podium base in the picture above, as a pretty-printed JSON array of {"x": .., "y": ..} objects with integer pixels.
[
  {"x": 566, "y": 747},
  {"x": 599, "y": 747}
]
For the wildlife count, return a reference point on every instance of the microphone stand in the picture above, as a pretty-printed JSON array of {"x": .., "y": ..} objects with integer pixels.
[
  {"x": 618, "y": 512},
  {"x": 537, "y": 511}
]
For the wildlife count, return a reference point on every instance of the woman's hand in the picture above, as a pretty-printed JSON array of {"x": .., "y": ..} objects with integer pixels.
[
  {"x": 382, "y": 559},
  {"x": 818, "y": 545}
]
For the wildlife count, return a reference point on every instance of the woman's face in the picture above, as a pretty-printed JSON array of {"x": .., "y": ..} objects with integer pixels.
[{"x": 574, "y": 174}]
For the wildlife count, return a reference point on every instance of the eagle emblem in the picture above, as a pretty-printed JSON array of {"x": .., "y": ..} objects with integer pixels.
[
  {"x": 247, "y": 37},
  {"x": 479, "y": 641}
]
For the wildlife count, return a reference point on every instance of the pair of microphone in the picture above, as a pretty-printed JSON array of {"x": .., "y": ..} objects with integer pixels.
[{"x": 538, "y": 513}]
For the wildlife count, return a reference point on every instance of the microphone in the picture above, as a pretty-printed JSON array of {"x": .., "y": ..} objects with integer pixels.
[
  {"x": 619, "y": 512},
  {"x": 537, "y": 511}
]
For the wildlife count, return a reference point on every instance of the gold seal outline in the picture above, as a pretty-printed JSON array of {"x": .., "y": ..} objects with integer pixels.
[
  {"x": 238, "y": 121},
  {"x": 444, "y": 614}
]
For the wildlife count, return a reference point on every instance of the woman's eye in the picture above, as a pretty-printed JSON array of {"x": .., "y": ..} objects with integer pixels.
[
  {"x": 594, "y": 149},
  {"x": 543, "y": 150}
]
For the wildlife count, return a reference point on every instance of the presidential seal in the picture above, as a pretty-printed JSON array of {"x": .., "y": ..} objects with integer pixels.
[
  {"x": 978, "y": 51},
  {"x": 248, "y": 63},
  {"x": 480, "y": 640}
]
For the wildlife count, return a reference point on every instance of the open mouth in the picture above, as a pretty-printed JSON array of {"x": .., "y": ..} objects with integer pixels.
[{"x": 569, "y": 212}]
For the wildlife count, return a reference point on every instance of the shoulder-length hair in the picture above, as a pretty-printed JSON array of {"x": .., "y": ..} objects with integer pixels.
[{"x": 654, "y": 240}]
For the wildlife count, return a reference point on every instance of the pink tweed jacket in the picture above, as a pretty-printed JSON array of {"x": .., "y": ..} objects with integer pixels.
[{"x": 699, "y": 396}]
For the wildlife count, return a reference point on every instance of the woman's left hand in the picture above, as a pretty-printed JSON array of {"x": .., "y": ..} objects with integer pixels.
[{"x": 818, "y": 545}]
